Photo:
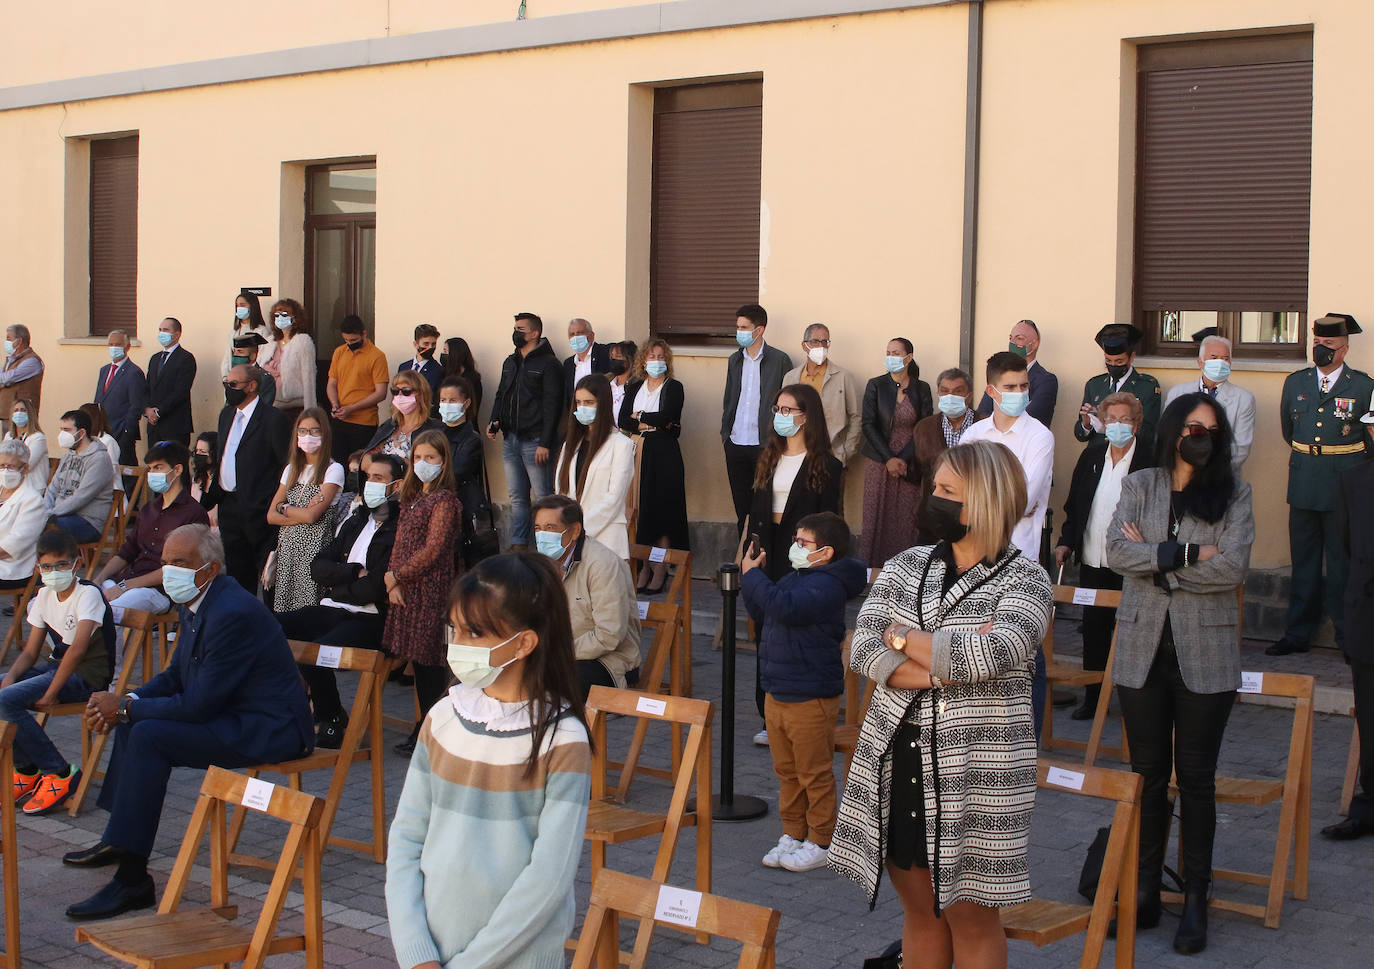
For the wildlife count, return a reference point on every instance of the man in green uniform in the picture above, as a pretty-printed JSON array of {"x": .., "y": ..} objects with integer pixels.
[
  {"x": 1118, "y": 342},
  {"x": 1320, "y": 414}
]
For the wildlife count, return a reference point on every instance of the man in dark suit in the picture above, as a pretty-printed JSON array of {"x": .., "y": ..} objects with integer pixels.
[
  {"x": 753, "y": 378},
  {"x": 1024, "y": 341},
  {"x": 171, "y": 372},
  {"x": 588, "y": 356},
  {"x": 423, "y": 363},
  {"x": 1118, "y": 342},
  {"x": 253, "y": 451},
  {"x": 232, "y": 698},
  {"x": 1355, "y": 514},
  {"x": 122, "y": 390}
]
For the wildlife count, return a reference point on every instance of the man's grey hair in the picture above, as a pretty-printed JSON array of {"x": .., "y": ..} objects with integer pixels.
[
  {"x": 21, "y": 331},
  {"x": 15, "y": 449},
  {"x": 578, "y": 319},
  {"x": 954, "y": 373},
  {"x": 208, "y": 543},
  {"x": 123, "y": 334},
  {"x": 1202, "y": 347},
  {"x": 811, "y": 328}
]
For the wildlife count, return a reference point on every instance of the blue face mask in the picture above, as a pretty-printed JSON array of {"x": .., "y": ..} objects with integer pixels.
[
  {"x": 450, "y": 413},
  {"x": 1119, "y": 434},
  {"x": 799, "y": 556},
  {"x": 549, "y": 543},
  {"x": 785, "y": 424},
  {"x": 895, "y": 365},
  {"x": 744, "y": 338},
  {"x": 180, "y": 583},
  {"x": 584, "y": 415},
  {"x": 9, "y": 348},
  {"x": 427, "y": 472},
  {"x": 1217, "y": 371},
  {"x": 952, "y": 405},
  {"x": 1014, "y": 404},
  {"x": 159, "y": 481},
  {"x": 283, "y": 321},
  {"x": 116, "y": 353},
  {"x": 20, "y": 418},
  {"x": 656, "y": 368},
  {"x": 374, "y": 493},
  {"x": 164, "y": 338},
  {"x": 579, "y": 344},
  {"x": 241, "y": 312}
]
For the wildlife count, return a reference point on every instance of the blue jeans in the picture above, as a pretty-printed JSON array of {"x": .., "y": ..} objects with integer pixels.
[
  {"x": 78, "y": 528},
  {"x": 32, "y": 748},
  {"x": 522, "y": 476}
]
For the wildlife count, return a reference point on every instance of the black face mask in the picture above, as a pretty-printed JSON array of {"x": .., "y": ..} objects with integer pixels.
[
  {"x": 200, "y": 463},
  {"x": 940, "y": 519},
  {"x": 1196, "y": 450},
  {"x": 517, "y": 338},
  {"x": 234, "y": 396},
  {"x": 427, "y": 354},
  {"x": 617, "y": 367},
  {"x": 1117, "y": 370},
  {"x": 353, "y": 483},
  {"x": 1323, "y": 356},
  {"x": 355, "y": 347}
]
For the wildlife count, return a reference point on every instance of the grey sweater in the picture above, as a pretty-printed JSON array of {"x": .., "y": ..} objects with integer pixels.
[{"x": 83, "y": 485}]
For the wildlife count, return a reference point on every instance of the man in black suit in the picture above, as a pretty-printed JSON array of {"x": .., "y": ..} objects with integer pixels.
[
  {"x": 171, "y": 372},
  {"x": 588, "y": 356},
  {"x": 1024, "y": 340},
  {"x": 122, "y": 390},
  {"x": 1355, "y": 520},
  {"x": 253, "y": 452},
  {"x": 753, "y": 378}
]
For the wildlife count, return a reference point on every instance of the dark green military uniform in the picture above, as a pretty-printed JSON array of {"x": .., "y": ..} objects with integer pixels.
[{"x": 1146, "y": 390}]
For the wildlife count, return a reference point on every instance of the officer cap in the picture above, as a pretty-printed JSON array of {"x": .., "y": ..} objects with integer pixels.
[
  {"x": 1335, "y": 324},
  {"x": 250, "y": 339},
  {"x": 1204, "y": 333},
  {"x": 1118, "y": 337}
]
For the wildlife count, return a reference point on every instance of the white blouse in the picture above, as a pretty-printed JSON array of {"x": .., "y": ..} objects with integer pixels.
[
  {"x": 296, "y": 386},
  {"x": 646, "y": 401},
  {"x": 617, "y": 398},
  {"x": 783, "y": 476},
  {"x": 112, "y": 446}
]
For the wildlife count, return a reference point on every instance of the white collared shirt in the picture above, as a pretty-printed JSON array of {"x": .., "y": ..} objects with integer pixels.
[
  {"x": 1105, "y": 500},
  {"x": 1033, "y": 445},
  {"x": 745, "y": 431},
  {"x": 582, "y": 366},
  {"x": 229, "y": 475},
  {"x": 1330, "y": 378},
  {"x": 357, "y": 555}
]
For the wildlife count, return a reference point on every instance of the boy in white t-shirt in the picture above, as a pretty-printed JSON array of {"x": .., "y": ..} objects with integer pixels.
[{"x": 74, "y": 619}]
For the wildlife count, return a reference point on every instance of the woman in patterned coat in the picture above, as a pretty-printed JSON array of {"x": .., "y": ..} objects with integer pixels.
[{"x": 942, "y": 782}]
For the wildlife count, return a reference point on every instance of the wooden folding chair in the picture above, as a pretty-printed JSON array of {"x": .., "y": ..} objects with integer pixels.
[
  {"x": 1063, "y": 674},
  {"x": 1352, "y": 767},
  {"x": 180, "y": 938},
  {"x": 667, "y": 630},
  {"x": 679, "y": 594},
  {"x": 9, "y": 850},
  {"x": 615, "y": 894},
  {"x": 1293, "y": 791},
  {"x": 138, "y": 627},
  {"x": 14, "y": 636},
  {"x": 365, "y": 716},
  {"x": 611, "y": 823},
  {"x": 1042, "y": 921},
  {"x": 111, "y": 536}
]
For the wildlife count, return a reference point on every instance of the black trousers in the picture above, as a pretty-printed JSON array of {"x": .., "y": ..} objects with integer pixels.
[
  {"x": 247, "y": 540},
  {"x": 1312, "y": 537},
  {"x": 1098, "y": 621},
  {"x": 740, "y": 463},
  {"x": 430, "y": 684},
  {"x": 1173, "y": 729},
  {"x": 590, "y": 673},
  {"x": 1362, "y": 804},
  {"x": 349, "y": 437},
  {"x": 333, "y": 627}
]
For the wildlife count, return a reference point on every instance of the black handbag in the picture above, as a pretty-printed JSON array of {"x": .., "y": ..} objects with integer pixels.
[
  {"x": 1092, "y": 865},
  {"x": 481, "y": 543},
  {"x": 890, "y": 959}
]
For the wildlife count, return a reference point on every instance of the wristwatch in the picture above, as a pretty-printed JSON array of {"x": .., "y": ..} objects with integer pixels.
[
  {"x": 122, "y": 586},
  {"x": 899, "y": 639},
  {"x": 122, "y": 714}
]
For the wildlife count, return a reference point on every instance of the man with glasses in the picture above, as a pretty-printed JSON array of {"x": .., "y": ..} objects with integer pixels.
[
  {"x": 358, "y": 378},
  {"x": 753, "y": 377},
  {"x": 246, "y": 347},
  {"x": 839, "y": 391},
  {"x": 251, "y": 457},
  {"x": 1320, "y": 415},
  {"x": 1024, "y": 341}
]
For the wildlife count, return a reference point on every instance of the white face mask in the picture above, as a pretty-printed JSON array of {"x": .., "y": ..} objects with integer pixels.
[
  {"x": 816, "y": 355},
  {"x": 10, "y": 479},
  {"x": 66, "y": 440},
  {"x": 472, "y": 664}
]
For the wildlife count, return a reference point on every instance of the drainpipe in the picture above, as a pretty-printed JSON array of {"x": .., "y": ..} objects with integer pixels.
[{"x": 972, "y": 139}]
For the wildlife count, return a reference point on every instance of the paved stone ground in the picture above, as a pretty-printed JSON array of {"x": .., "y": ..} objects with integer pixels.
[{"x": 825, "y": 920}]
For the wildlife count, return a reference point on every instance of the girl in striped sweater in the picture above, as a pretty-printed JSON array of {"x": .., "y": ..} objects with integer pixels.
[{"x": 488, "y": 833}]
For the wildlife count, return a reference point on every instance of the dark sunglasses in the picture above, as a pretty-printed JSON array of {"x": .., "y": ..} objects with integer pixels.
[
  {"x": 402, "y": 391},
  {"x": 1199, "y": 430}
]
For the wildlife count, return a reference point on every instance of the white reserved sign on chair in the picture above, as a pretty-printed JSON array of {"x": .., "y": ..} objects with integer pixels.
[{"x": 678, "y": 906}]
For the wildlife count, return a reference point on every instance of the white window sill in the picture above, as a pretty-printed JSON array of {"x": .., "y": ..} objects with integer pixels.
[{"x": 91, "y": 341}]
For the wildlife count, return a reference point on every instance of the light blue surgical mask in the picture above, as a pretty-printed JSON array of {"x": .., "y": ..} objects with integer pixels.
[
  {"x": 744, "y": 338},
  {"x": 116, "y": 353},
  {"x": 799, "y": 556},
  {"x": 656, "y": 368},
  {"x": 952, "y": 405},
  {"x": 585, "y": 415},
  {"x": 241, "y": 312},
  {"x": 1119, "y": 434},
  {"x": 283, "y": 321},
  {"x": 895, "y": 365},
  {"x": 1217, "y": 371},
  {"x": 374, "y": 493},
  {"x": 1014, "y": 404},
  {"x": 9, "y": 348},
  {"x": 180, "y": 583},
  {"x": 427, "y": 472},
  {"x": 549, "y": 543},
  {"x": 164, "y": 337},
  {"x": 451, "y": 413},
  {"x": 785, "y": 424},
  {"x": 160, "y": 481},
  {"x": 20, "y": 418},
  {"x": 579, "y": 344}
]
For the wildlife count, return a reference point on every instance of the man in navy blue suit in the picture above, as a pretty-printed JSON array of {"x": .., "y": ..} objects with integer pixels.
[
  {"x": 423, "y": 363},
  {"x": 587, "y": 357},
  {"x": 122, "y": 390},
  {"x": 232, "y": 697}
]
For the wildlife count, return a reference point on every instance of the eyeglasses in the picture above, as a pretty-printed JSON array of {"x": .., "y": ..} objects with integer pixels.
[
  {"x": 402, "y": 391},
  {"x": 48, "y": 567},
  {"x": 237, "y": 384},
  {"x": 1199, "y": 430},
  {"x": 784, "y": 409},
  {"x": 806, "y": 542},
  {"x": 816, "y": 343},
  {"x": 303, "y": 432}
]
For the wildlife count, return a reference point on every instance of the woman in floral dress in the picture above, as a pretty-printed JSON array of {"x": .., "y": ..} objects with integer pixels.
[{"x": 302, "y": 509}]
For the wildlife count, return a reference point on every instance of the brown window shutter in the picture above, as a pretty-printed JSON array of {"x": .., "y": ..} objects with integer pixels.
[
  {"x": 704, "y": 250},
  {"x": 1224, "y": 176},
  {"x": 114, "y": 235}
]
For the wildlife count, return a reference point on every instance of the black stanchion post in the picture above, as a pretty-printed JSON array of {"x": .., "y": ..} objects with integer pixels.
[{"x": 727, "y": 806}]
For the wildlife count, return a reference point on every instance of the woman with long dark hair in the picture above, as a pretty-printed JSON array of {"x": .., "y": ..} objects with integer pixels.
[
  {"x": 303, "y": 511},
  {"x": 248, "y": 319},
  {"x": 293, "y": 364},
  {"x": 894, "y": 402},
  {"x": 1181, "y": 537},
  {"x": 457, "y": 361},
  {"x": 597, "y": 464},
  {"x": 204, "y": 460}
]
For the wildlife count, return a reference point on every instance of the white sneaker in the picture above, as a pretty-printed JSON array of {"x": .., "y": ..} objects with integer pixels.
[
  {"x": 785, "y": 846},
  {"x": 761, "y": 738},
  {"x": 807, "y": 857}
]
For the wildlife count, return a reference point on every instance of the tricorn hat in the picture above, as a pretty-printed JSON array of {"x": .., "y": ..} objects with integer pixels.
[
  {"x": 1335, "y": 324},
  {"x": 1118, "y": 337},
  {"x": 249, "y": 339}
]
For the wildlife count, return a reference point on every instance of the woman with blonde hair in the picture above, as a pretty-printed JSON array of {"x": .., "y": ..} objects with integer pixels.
[
  {"x": 942, "y": 783},
  {"x": 410, "y": 404},
  {"x": 596, "y": 464},
  {"x": 24, "y": 428},
  {"x": 303, "y": 511}
]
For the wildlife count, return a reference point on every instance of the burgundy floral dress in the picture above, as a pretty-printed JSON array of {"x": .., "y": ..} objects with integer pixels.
[
  {"x": 422, "y": 560},
  {"x": 890, "y": 503}
]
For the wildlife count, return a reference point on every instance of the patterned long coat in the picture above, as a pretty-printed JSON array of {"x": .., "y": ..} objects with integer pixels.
[{"x": 978, "y": 741}]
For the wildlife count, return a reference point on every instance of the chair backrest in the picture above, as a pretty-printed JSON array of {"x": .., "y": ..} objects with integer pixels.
[
  {"x": 345, "y": 658},
  {"x": 1077, "y": 595},
  {"x": 664, "y": 620},
  {"x": 615, "y": 894},
  {"x": 1300, "y": 688},
  {"x": 695, "y": 715}
]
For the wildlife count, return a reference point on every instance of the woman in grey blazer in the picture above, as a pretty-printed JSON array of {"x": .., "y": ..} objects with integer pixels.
[{"x": 1181, "y": 537}]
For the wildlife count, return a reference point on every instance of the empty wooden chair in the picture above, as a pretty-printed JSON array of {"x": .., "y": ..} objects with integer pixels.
[
  {"x": 1043, "y": 921},
  {"x": 663, "y": 620},
  {"x": 679, "y": 594},
  {"x": 14, "y": 636},
  {"x": 1063, "y": 674},
  {"x": 111, "y": 536},
  {"x": 180, "y": 938},
  {"x": 615, "y": 894},
  {"x": 9, "y": 851}
]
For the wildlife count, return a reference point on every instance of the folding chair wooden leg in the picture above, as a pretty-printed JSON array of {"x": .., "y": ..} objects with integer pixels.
[
  {"x": 9, "y": 849},
  {"x": 1352, "y": 767},
  {"x": 1104, "y": 702}
]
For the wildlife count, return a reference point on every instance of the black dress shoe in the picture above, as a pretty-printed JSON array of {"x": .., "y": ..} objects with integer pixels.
[
  {"x": 1084, "y": 711},
  {"x": 1347, "y": 830},
  {"x": 1191, "y": 937},
  {"x": 330, "y": 733},
  {"x": 116, "y": 898},
  {"x": 1148, "y": 908},
  {"x": 1285, "y": 646},
  {"x": 1061, "y": 698},
  {"x": 407, "y": 747},
  {"x": 96, "y": 857}
]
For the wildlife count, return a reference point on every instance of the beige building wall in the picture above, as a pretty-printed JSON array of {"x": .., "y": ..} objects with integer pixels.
[{"x": 518, "y": 181}]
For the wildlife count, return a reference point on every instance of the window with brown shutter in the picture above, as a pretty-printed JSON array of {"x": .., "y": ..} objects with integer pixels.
[
  {"x": 1223, "y": 191},
  {"x": 114, "y": 235},
  {"x": 704, "y": 238}
]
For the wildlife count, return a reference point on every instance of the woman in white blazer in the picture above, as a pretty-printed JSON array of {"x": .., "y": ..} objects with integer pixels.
[
  {"x": 22, "y": 516},
  {"x": 597, "y": 464}
]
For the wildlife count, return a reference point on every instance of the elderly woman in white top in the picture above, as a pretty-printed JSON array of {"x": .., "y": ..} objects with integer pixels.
[
  {"x": 24, "y": 427},
  {"x": 293, "y": 364},
  {"x": 22, "y": 516}
]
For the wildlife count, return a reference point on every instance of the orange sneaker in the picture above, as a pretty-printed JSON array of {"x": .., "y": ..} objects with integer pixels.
[
  {"x": 24, "y": 785},
  {"x": 52, "y": 790}
]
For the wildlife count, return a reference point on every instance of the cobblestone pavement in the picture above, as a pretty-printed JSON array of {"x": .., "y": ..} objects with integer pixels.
[{"x": 825, "y": 920}]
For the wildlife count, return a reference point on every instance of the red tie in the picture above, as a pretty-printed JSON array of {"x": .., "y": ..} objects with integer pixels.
[{"x": 110, "y": 376}]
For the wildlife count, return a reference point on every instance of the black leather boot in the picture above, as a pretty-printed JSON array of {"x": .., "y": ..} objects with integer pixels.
[
  {"x": 1191, "y": 937},
  {"x": 1147, "y": 906}
]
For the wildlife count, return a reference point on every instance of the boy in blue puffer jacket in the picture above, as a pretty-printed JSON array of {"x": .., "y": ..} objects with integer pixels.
[{"x": 803, "y": 624}]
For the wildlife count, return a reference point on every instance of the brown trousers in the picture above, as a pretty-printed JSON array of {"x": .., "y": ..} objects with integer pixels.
[{"x": 801, "y": 738}]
